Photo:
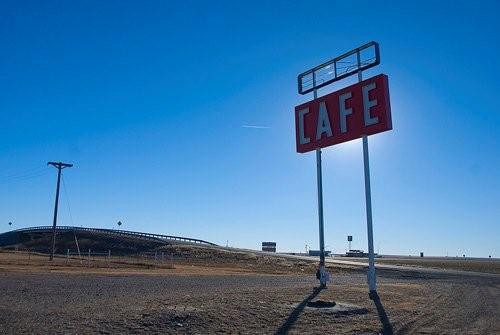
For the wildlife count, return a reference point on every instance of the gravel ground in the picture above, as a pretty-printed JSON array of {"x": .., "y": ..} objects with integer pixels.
[{"x": 72, "y": 303}]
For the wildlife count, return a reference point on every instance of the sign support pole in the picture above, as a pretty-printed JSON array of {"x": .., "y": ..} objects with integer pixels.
[
  {"x": 319, "y": 178},
  {"x": 372, "y": 281},
  {"x": 320, "y": 209}
]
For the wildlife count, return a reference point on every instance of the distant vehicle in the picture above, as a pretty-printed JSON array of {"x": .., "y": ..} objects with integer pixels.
[
  {"x": 317, "y": 252},
  {"x": 357, "y": 253}
]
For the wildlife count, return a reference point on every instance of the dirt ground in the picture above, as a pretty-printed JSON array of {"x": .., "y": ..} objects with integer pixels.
[{"x": 138, "y": 297}]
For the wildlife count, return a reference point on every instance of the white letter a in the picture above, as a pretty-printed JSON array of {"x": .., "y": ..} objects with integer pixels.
[{"x": 323, "y": 125}]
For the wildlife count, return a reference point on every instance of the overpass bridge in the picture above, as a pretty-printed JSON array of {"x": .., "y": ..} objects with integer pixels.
[{"x": 13, "y": 237}]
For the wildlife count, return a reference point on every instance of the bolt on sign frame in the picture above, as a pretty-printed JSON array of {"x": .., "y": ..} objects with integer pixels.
[{"x": 350, "y": 63}]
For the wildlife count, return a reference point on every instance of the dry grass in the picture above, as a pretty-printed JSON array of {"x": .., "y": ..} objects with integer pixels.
[
  {"x": 200, "y": 261},
  {"x": 486, "y": 266},
  {"x": 460, "y": 264}
]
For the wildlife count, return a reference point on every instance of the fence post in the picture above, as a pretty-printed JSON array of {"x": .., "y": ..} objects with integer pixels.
[
  {"x": 67, "y": 255},
  {"x": 88, "y": 262}
]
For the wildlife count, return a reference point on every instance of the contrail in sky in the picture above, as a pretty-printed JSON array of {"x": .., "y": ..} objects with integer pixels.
[{"x": 255, "y": 127}]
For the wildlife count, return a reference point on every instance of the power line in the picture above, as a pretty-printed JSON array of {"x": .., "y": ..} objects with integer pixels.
[
  {"x": 23, "y": 176},
  {"x": 26, "y": 171}
]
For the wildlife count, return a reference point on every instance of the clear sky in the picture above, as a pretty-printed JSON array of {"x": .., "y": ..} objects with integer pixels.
[{"x": 149, "y": 100}]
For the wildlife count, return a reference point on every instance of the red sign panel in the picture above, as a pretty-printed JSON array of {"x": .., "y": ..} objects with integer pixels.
[{"x": 344, "y": 115}]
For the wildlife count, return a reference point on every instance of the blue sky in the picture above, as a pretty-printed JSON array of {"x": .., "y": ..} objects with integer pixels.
[{"x": 148, "y": 100}]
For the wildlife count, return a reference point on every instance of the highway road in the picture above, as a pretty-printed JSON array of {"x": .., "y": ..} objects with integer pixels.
[{"x": 363, "y": 263}]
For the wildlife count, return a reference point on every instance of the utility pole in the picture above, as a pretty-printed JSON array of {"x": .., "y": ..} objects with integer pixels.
[{"x": 60, "y": 166}]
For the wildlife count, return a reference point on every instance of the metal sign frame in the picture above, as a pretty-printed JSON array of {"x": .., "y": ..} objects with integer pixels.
[{"x": 337, "y": 75}]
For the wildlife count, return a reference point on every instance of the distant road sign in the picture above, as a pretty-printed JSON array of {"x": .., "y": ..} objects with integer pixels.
[
  {"x": 269, "y": 246},
  {"x": 350, "y": 113}
]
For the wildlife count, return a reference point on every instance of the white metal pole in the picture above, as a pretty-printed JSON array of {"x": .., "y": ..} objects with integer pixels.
[
  {"x": 319, "y": 178},
  {"x": 320, "y": 207},
  {"x": 372, "y": 281}
]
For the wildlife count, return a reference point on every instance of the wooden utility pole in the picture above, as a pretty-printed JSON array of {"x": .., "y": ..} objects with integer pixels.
[{"x": 59, "y": 166}]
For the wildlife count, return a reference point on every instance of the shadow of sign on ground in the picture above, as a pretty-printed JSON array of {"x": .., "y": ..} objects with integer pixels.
[
  {"x": 294, "y": 316},
  {"x": 382, "y": 315},
  {"x": 334, "y": 309}
]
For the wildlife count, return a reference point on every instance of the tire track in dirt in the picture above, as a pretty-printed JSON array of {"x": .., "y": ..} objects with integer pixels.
[{"x": 459, "y": 308}]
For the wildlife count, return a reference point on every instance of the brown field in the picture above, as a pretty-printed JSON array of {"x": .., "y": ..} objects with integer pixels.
[
  {"x": 200, "y": 261},
  {"x": 485, "y": 266},
  {"x": 233, "y": 293}
]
